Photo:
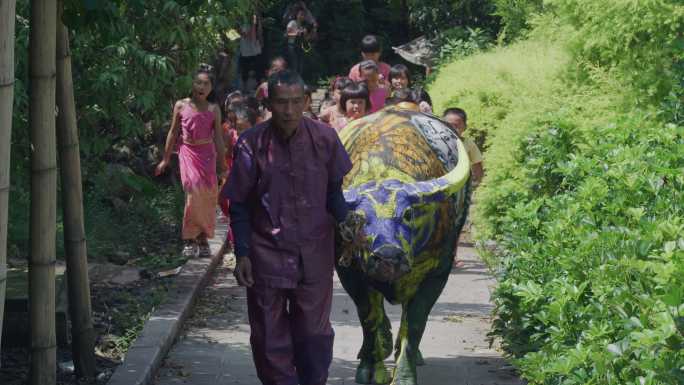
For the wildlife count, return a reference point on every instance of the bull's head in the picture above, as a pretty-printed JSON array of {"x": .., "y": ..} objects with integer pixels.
[{"x": 405, "y": 220}]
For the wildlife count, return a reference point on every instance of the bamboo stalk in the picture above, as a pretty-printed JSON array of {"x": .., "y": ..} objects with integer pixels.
[
  {"x": 42, "y": 46},
  {"x": 7, "y": 16},
  {"x": 83, "y": 345}
]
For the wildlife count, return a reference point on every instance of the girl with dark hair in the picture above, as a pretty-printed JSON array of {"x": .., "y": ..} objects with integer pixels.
[
  {"x": 196, "y": 123},
  {"x": 335, "y": 112},
  {"x": 400, "y": 78},
  {"x": 355, "y": 101},
  {"x": 278, "y": 64}
]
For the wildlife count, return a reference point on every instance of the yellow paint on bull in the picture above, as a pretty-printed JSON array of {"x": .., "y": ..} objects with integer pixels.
[{"x": 387, "y": 146}]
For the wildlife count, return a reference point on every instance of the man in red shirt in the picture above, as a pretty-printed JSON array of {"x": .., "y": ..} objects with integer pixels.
[
  {"x": 371, "y": 49},
  {"x": 285, "y": 189}
]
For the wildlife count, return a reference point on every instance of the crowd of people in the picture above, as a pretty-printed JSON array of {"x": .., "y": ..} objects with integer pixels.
[{"x": 279, "y": 166}]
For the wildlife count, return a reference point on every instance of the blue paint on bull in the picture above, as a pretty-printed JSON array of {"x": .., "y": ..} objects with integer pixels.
[
  {"x": 380, "y": 196},
  {"x": 410, "y": 184}
]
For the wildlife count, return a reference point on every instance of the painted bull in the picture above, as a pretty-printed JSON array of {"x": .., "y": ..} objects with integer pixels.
[{"x": 409, "y": 187}]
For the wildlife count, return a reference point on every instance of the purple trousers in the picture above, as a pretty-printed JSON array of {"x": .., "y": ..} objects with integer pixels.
[{"x": 291, "y": 336}]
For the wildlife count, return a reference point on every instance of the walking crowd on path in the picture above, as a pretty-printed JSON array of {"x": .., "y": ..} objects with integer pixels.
[{"x": 275, "y": 168}]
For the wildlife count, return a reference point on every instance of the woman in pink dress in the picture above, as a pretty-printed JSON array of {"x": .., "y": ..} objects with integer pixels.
[{"x": 196, "y": 123}]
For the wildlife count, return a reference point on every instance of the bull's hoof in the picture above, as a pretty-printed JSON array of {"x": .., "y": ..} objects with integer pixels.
[
  {"x": 380, "y": 374},
  {"x": 403, "y": 379},
  {"x": 364, "y": 373},
  {"x": 420, "y": 361}
]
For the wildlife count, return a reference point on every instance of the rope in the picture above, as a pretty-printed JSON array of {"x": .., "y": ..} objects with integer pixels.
[
  {"x": 48, "y": 76},
  {"x": 83, "y": 239},
  {"x": 44, "y": 170},
  {"x": 69, "y": 146},
  {"x": 51, "y": 263},
  {"x": 43, "y": 348}
]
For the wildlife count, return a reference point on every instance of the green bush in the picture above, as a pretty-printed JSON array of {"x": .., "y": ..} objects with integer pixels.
[
  {"x": 516, "y": 16},
  {"x": 581, "y": 212},
  {"x": 592, "y": 265},
  {"x": 500, "y": 90},
  {"x": 461, "y": 42},
  {"x": 643, "y": 41}
]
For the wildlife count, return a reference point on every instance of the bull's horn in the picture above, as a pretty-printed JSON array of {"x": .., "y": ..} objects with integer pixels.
[{"x": 449, "y": 184}]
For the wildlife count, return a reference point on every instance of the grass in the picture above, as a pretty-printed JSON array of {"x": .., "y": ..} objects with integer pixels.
[{"x": 121, "y": 313}]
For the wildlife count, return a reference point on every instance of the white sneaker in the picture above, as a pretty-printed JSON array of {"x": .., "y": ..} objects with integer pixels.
[{"x": 190, "y": 249}]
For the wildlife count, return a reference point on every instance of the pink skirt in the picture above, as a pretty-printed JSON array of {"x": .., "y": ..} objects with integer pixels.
[{"x": 198, "y": 175}]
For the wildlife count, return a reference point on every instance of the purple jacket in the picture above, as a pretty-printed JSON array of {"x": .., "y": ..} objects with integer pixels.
[{"x": 284, "y": 184}]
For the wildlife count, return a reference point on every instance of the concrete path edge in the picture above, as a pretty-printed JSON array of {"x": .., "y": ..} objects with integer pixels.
[{"x": 146, "y": 354}]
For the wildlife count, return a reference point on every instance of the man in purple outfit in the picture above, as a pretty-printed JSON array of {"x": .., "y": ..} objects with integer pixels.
[{"x": 285, "y": 190}]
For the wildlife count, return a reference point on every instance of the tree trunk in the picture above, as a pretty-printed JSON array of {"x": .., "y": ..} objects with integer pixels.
[
  {"x": 83, "y": 346},
  {"x": 42, "y": 48},
  {"x": 7, "y": 14}
]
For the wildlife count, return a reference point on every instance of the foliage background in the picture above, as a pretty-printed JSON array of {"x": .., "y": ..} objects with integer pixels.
[
  {"x": 580, "y": 213},
  {"x": 133, "y": 59},
  {"x": 344, "y": 23},
  {"x": 579, "y": 108}
]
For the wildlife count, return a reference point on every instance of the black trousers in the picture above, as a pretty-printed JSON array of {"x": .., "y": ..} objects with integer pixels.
[
  {"x": 295, "y": 57},
  {"x": 248, "y": 63}
]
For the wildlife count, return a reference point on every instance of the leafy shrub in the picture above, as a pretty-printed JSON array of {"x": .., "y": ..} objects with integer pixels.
[
  {"x": 500, "y": 90},
  {"x": 433, "y": 17},
  {"x": 516, "y": 16},
  {"x": 461, "y": 42},
  {"x": 593, "y": 269},
  {"x": 642, "y": 40},
  {"x": 127, "y": 213},
  {"x": 584, "y": 200}
]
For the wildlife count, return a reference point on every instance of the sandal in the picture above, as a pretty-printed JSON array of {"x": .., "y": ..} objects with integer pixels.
[{"x": 189, "y": 249}]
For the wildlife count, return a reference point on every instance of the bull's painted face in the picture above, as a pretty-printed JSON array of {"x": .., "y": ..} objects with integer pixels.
[{"x": 400, "y": 225}]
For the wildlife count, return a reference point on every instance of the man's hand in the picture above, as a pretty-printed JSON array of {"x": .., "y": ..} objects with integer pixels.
[{"x": 243, "y": 272}]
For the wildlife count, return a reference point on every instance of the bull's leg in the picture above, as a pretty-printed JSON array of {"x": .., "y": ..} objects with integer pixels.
[
  {"x": 413, "y": 319},
  {"x": 420, "y": 361},
  {"x": 377, "y": 332}
]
